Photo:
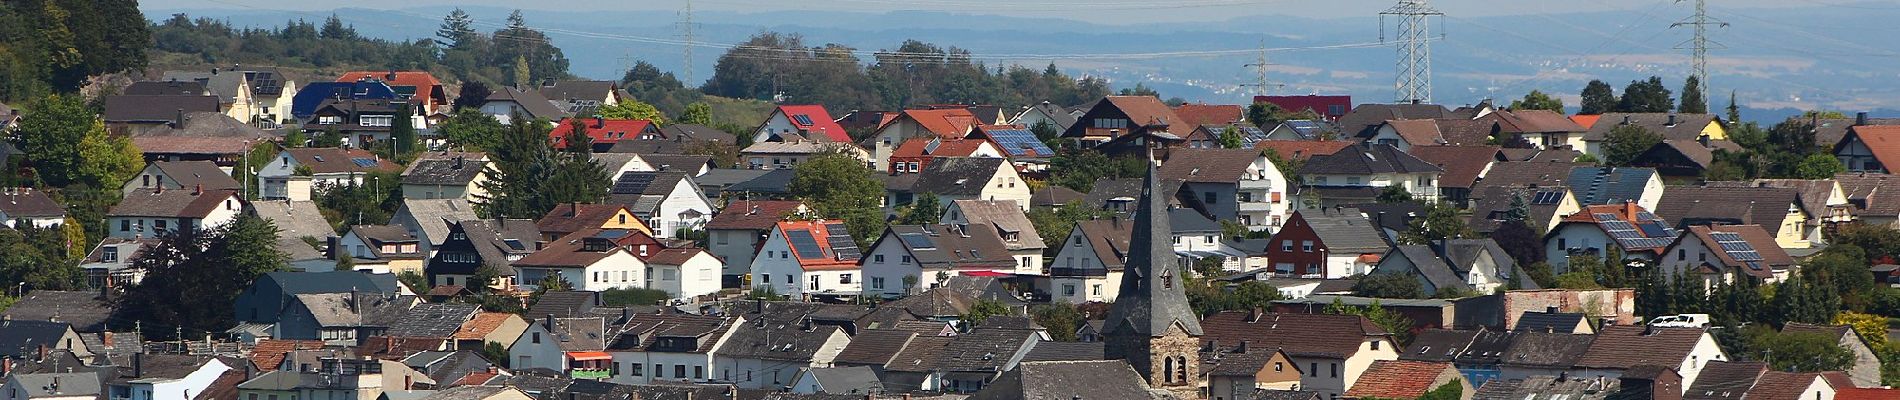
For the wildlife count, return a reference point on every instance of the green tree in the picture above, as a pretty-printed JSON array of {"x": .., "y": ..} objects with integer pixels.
[
  {"x": 471, "y": 130},
  {"x": 1818, "y": 166},
  {"x": 294, "y": 138},
  {"x": 1061, "y": 319},
  {"x": 35, "y": 259},
  {"x": 495, "y": 353},
  {"x": 174, "y": 292},
  {"x": 1398, "y": 325},
  {"x": 1055, "y": 224},
  {"x": 631, "y": 109},
  {"x": 1598, "y": 98},
  {"x": 107, "y": 160},
  {"x": 1394, "y": 194},
  {"x": 1230, "y": 138},
  {"x": 1624, "y": 143},
  {"x": 1648, "y": 96},
  {"x": 1439, "y": 222},
  {"x": 1390, "y": 286},
  {"x": 51, "y": 136},
  {"x": 1797, "y": 351},
  {"x": 925, "y": 209},
  {"x": 1453, "y": 390},
  {"x": 523, "y": 75},
  {"x": 413, "y": 280},
  {"x": 1079, "y": 168},
  {"x": 402, "y": 134},
  {"x": 697, "y": 114},
  {"x": 457, "y": 30},
  {"x": 1537, "y": 100},
  {"x": 330, "y": 138},
  {"x": 529, "y": 177},
  {"x": 1800, "y": 299},
  {"x": 1692, "y": 101},
  {"x": 1734, "y": 110},
  {"x": 839, "y": 186},
  {"x": 983, "y": 310}
]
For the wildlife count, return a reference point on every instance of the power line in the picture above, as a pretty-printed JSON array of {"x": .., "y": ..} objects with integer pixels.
[
  {"x": 1700, "y": 44},
  {"x": 1260, "y": 68},
  {"x": 1414, "y": 81},
  {"x": 686, "y": 29}
]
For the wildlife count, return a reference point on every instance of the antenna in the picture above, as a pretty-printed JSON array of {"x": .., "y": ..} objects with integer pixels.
[
  {"x": 1414, "y": 83},
  {"x": 1700, "y": 44},
  {"x": 1260, "y": 67},
  {"x": 686, "y": 32}
]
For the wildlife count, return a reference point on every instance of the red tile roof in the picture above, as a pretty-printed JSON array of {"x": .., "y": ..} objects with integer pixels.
[
  {"x": 269, "y": 353},
  {"x": 601, "y": 130},
  {"x": 1882, "y": 140},
  {"x": 953, "y": 123},
  {"x": 481, "y": 325},
  {"x": 1299, "y": 335},
  {"x": 574, "y": 217},
  {"x": 1586, "y": 121},
  {"x": 1209, "y": 114},
  {"x": 418, "y": 79},
  {"x": 753, "y": 214},
  {"x": 674, "y": 256},
  {"x": 1146, "y": 110},
  {"x": 1536, "y": 121},
  {"x": 920, "y": 147},
  {"x": 1462, "y": 164},
  {"x": 1302, "y": 149},
  {"x": 1783, "y": 385},
  {"x": 825, "y": 260},
  {"x": 821, "y": 122},
  {"x": 1866, "y": 394},
  {"x": 1417, "y": 132},
  {"x": 1397, "y": 379}
]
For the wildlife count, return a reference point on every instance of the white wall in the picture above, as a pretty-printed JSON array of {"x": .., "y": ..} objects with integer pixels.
[
  {"x": 685, "y": 196},
  {"x": 699, "y": 276},
  {"x": 619, "y": 270},
  {"x": 891, "y": 262},
  {"x": 186, "y": 388}
]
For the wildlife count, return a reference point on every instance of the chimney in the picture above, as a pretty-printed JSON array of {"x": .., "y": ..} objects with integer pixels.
[
  {"x": 392, "y": 75},
  {"x": 1629, "y": 209},
  {"x": 458, "y": 162},
  {"x": 179, "y": 121},
  {"x": 138, "y": 364},
  {"x": 42, "y": 352},
  {"x": 600, "y": 122},
  {"x": 198, "y": 190},
  {"x": 1242, "y": 348},
  {"x": 758, "y": 307},
  {"x": 1703, "y": 139},
  {"x": 1626, "y": 120},
  {"x": 1254, "y": 315},
  {"x": 1672, "y": 119},
  {"x": 1860, "y": 118},
  {"x": 548, "y": 323},
  {"x": 353, "y": 295}
]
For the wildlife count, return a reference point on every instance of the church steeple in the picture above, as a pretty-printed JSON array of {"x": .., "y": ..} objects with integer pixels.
[{"x": 1151, "y": 325}]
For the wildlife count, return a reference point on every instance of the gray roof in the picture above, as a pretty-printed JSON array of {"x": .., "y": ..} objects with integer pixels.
[
  {"x": 1368, "y": 159},
  {"x": 1552, "y": 387},
  {"x": 1150, "y": 302},
  {"x": 688, "y": 163},
  {"x": 434, "y": 215},
  {"x": 648, "y": 183},
  {"x": 1560, "y": 322},
  {"x": 977, "y": 246},
  {"x": 28, "y": 202},
  {"x": 532, "y": 103},
  {"x": 1046, "y": 380},
  {"x": 1604, "y": 185},
  {"x": 1189, "y": 221},
  {"x": 468, "y": 392},
  {"x": 167, "y": 87},
  {"x": 786, "y": 331},
  {"x": 722, "y": 179},
  {"x": 1065, "y": 351},
  {"x": 156, "y": 109},
  {"x": 295, "y": 221},
  {"x": 1345, "y": 231},
  {"x": 332, "y": 282},
  {"x": 874, "y": 347},
  {"x": 580, "y": 334},
  {"x": 1059, "y": 116},
  {"x": 1538, "y": 349},
  {"x": 1006, "y": 216},
  {"x": 85, "y": 310},
  {"x": 564, "y": 304},
  {"x": 1368, "y": 116},
  {"x": 432, "y": 320},
  {"x": 190, "y": 174},
  {"x": 336, "y": 309},
  {"x": 22, "y": 337},
  {"x": 985, "y": 349},
  {"x": 65, "y": 384},
  {"x": 847, "y": 380},
  {"x": 1687, "y": 126},
  {"x": 1438, "y": 345},
  {"x": 442, "y": 171},
  {"x": 957, "y": 176},
  {"x": 697, "y": 132},
  {"x": 1434, "y": 269},
  {"x": 773, "y": 181}
]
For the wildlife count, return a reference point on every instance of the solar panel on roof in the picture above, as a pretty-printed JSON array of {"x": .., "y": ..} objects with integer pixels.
[
  {"x": 803, "y": 243},
  {"x": 1736, "y": 247},
  {"x": 917, "y": 240},
  {"x": 1547, "y": 198},
  {"x": 1018, "y": 142},
  {"x": 801, "y": 119},
  {"x": 364, "y": 162},
  {"x": 1604, "y": 217},
  {"x": 1652, "y": 229}
]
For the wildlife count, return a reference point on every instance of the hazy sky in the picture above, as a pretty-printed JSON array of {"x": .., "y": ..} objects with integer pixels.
[{"x": 1100, "y": 11}]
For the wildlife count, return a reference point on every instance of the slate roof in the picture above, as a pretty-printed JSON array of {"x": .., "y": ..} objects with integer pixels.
[
  {"x": 1547, "y": 387},
  {"x": 1624, "y": 346},
  {"x": 1093, "y": 380},
  {"x": 697, "y": 132},
  {"x": 19, "y": 338},
  {"x": 1697, "y": 205},
  {"x": 28, "y": 203},
  {"x": 156, "y": 109},
  {"x": 984, "y": 349},
  {"x": 1551, "y": 322},
  {"x": 443, "y": 171},
  {"x": 84, "y": 310},
  {"x": 1054, "y": 196},
  {"x": 1463, "y": 165},
  {"x": 643, "y": 331},
  {"x": 1527, "y": 173},
  {"x": 978, "y": 246},
  {"x": 1688, "y": 126},
  {"x": 164, "y": 88},
  {"x": 958, "y": 176},
  {"x": 62, "y": 384},
  {"x": 432, "y": 320},
  {"x": 874, "y": 347},
  {"x": 1059, "y": 116},
  {"x": 1432, "y": 268},
  {"x": 1149, "y": 305},
  {"x": 1550, "y": 350},
  {"x": 1865, "y": 192},
  {"x": 777, "y": 181},
  {"x": 1065, "y": 351},
  {"x": 564, "y": 304},
  {"x": 295, "y": 221},
  {"x": 332, "y": 282},
  {"x": 1299, "y": 335},
  {"x": 435, "y": 215},
  {"x": 1367, "y": 117},
  {"x": 1345, "y": 231},
  {"x": 1606, "y": 185},
  {"x": 191, "y": 174},
  {"x": 847, "y": 380},
  {"x": 780, "y": 333},
  {"x": 1397, "y": 379},
  {"x": 1723, "y": 380},
  {"x": 688, "y": 163},
  {"x": 172, "y": 203},
  {"x": 1005, "y": 217},
  {"x": 1369, "y": 159},
  {"x": 335, "y": 309},
  {"x": 647, "y": 183}
]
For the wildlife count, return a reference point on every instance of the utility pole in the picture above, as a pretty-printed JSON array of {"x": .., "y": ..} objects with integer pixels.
[
  {"x": 1260, "y": 68},
  {"x": 1700, "y": 44},
  {"x": 686, "y": 32},
  {"x": 1414, "y": 83}
]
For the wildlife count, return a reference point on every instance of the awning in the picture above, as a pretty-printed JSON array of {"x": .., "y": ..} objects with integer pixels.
[
  {"x": 1369, "y": 258},
  {"x": 589, "y": 355}
]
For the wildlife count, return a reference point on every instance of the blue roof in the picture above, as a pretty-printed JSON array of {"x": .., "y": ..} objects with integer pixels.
[
  {"x": 1019, "y": 142},
  {"x": 1600, "y": 185},
  {"x": 313, "y": 95}
]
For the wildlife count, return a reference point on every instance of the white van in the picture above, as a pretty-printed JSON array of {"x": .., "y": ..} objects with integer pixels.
[{"x": 1681, "y": 321}]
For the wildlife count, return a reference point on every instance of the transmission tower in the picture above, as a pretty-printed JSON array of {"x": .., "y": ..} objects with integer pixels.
[
  {"x": 1414, "y": 83},
  {"x": 1700, "y": 44},
  {"x": 1260, "y": 68},
  {"x": 686, "y": 33}
]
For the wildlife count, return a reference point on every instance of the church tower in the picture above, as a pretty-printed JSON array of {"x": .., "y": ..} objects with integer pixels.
[{"x": 1151, "y": 325}]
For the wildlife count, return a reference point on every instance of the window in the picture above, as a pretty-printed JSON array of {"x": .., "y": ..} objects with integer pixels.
[
  {"x": 877, "y": 282},
  {"x": 1068, "y": 289},
  {"x": 1375, "y": 345},
  {"x": 1208, "y": 197},
  {"x": 877, "y": 258},
  {"x": 536, "y": 338},
  {"x": 1315, "y": 368},
  {"x": 1700, "y": 256},
  {"x": 125, "y": 225},
  {"x": 1319, "y": 180},
  {"x": 1352, "y": 181},
  {"x": 1306, "y": 246},
  {"x": 1561, "y": 243},
  {"x": 1078, "y": 240},
  {"x": 1278, "y": 366},
  {"x": 844, "y": 278},
  {"x": 659, "y": 370},
  {"x": 1096, "y": 289},
  {"x": 1207, "y": 239},
  {"x": 767, "y": 278},
  {"x": 1682, "y": 254},
  {"x": 679, "y": 371},
  {"x": 1246, "y": 197},
  {"x": 667, "y": 274},
  {"x": 1335, "y": 369},
  {"x": 623, "y": 218},
  {"x": 905, "y": 259},
  {"x": 1286, "y": 245},
  {"x": 1424, "y": 181},
  {"x": 109, "y": 254},
  {"x": 699, "y": 372}
]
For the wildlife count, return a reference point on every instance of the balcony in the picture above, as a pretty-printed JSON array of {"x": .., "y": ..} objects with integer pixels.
[
  {"x": 1260, "y": 184},
  {"x": 589, "y": 373},
  {"x": 1077, "y": 272},
  {"x": 1254, "y": 206}
]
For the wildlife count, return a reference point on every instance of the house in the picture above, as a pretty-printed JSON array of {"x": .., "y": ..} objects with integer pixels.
[
  {"x": 1115, "y": 116},
  {"x": 785, "y": 155},
  {"x": 1552, "y": 320},
  {"x": 1329, "y": 107},
  {"x": 1544, "y": 129},
  {"x": 504, "y": 104},
  {"x": 1332, "y": 352},
  {"x": 1363, "y": 121},
  {"x": 1019, "y": 234},
  {"x": 447, "y": 176},
  {"x": 51, "y": 386},
  {"x": 916, "y": 154},
  {"x": 232, "y": 88},
  {"x": 169, "y": 87},
  {"x": 168, "y": 377},
  {"x": 334, "y": 378},
  {"x": 794, "y": 123},
  {"x": 809, "y": 258},
  {"x": 1823, "y": 199},
  {"x": 489, "y": 327},
  {"x": 952, "y": 179},
  {"x": 1554, "y": 386},
  {"x": 1331, "y": 244},
  {"x": 1620, "y": 347},
  {"x": 1777, "y": 210},
  {"x": 1106, "y": 380},
  {"x": 298, "y": 174},
  {"x": 1724, "y": 254},
  {"x": 1869, "y": 148},
  {"x": 1300, "y": 150},
  {"x": 415, "y": 87},
  {"x": 582, "y": 97},
  {"x": 391, "y": 247},
  {"x": 1453, "y": 265},
  {"x": 474, "y": 246},
  {"x": 575, "y": 347},
  {"x": 361, "y": 122},
  {"x": 575, "y": 217},
  {"x": 685, "y": 273},
  {"x": 1865, "y": 371},
  {"x": 837, "y": 381},
  {"x": 1209, "y": 136},
  {"x": 668, "y": 201},
  {"x": 272, "y": 93},
  {"x": 1357, "y": 174},
  {"x": 265, "y": 299},
  {"x": 299, "y": 225},
  {"x": 22, "y": 207},
  {"x": 587, "y": 260},
  {"x": 944, "y": 124},
  {"x": 175, "y": 175},
  {"x": 907, "y": 259},
  {"x": 1476, "y": 353},
  {"x": 1297, "y": 130},
  {"x": 1541, "y": 174},
  {"x": 305, "y": 102},
  {"x": 1608, "y": 185},
  {"x": 671, "y": 344},
  {"x": 1402, "y": 379},
  {"x": 1056, "y": 117},
  {"x": 603, "y": 132},
  {"x": 1405, "y": 134},
  {"x": 429, "y": 220},
  {"x": 1870, "y": 204},
  {"x": 1242, "y": 372},
  {"x": 205, "y": 136},
  {"x": 735, "y": 234},
  {"x": 1542, "y": 354},
  {"x": 965, "y": 363},
  {"x": 1234, "y": 185},
  {"x": 1671, "y": 126},
  {"x": 109, "y": 264},
  {"x": 129, "y": 112},
  {"x": 1201, "y": 114},
  {"x": 1463, "y": 165},
  {"x": 776, "y": 341},
  {"x": 31, "y": 339},
  {"x": 159, "y": 212},
  {"x": 1681, "y": 160},
  {"x": 1633, "y": 230},
  {"x": 1088, "y": 268},
  {"x": 1492, "y": 206}
]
